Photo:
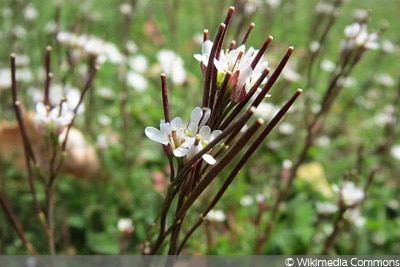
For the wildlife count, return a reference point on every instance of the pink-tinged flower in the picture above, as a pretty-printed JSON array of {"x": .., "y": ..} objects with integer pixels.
[
  {"x": 125, "y": 225},
  {"x": 237, "y": 62},
  {"x": 53, "y": 119}
]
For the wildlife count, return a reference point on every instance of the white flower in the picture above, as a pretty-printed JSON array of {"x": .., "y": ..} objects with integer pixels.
[
  {"x": 205, "y": 53},
  {"x": 327, "y": 65},
  {"x": 170, "y": 133},
  {"x": 290, "y": 74},
  {"x": 388, "y": 46},
  {"x": 138, "y": 63},
  {"x": 354, "y": 216},
  {"x": 287, "y": 164},
  {"x": 326, "y": 208},
  {"x": 246, "y": 201},
  {"x": 325, "y": 8},
  {"x": 125, "y": 9},
  {"x": 5, "y": 81},
  {"x": 136, "y": 81},
  {"x": 350, "y": 194},
  {"x": 385, "y": 79},
  {"x": 357, "y": 36},
  {"x": 91, "y": 45},
  {"x": 274, "y": 4},
  {"x": 260, "y": 198},
  {"x": 266, "y": 110},
  {"x": 185, "y": 140},
  {"x": 30, "y": 12},
  {"x": 216, "y": 216},
  {"x": 72, "y": 98},
  {"x": 395, "y": 152},
  {"x": 196, "y": 144},
  {"x": 52, "y": 119},
  {"x": 172, "y": 65},
  {"x": 286, "y": 128},
  {"x": 125, "y": 225}
]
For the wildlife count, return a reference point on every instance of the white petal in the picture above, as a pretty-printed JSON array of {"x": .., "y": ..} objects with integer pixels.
[
  {"x": 41, "y": 109},
  {"x": 193, "y": 128},
  {"x": 165, "y": 128},
  {"x": 206, "y": 47},
  {"x": 155, "y": 135},
  {"x": 180, "y": 152},
  {"x": 209, "y": 159},
  {"x": 205, "y": 132},
  {"x": 176, "y": 123},
  {"x": 196, "y": 115},
  {"x": 214, "y": 134},
  {"x": 220, "y": 67},
  {"x": 205, "y": 116},
  {"x": 200, "y": 58}
]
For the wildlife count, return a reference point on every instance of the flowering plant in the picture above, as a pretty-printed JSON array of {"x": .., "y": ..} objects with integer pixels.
[{"x": 235, "y": 83}]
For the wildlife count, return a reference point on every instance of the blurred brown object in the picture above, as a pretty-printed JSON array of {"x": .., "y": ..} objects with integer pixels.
[
  {"x": 81, "y": 160},
  {"x": 152, "y": 31}
]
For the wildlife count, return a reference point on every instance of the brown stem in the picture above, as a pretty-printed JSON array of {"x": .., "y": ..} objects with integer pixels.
[
  {"x": 216, "y": 169},
  {"x": 336, "y": 227},
  {"x": 28, "y": 151},
  {"x": 164, "y": 88},
  {"x": 15, "y": 222},
  {"x": 235, "y": 125},
  {"x": 49, "y": 75}
]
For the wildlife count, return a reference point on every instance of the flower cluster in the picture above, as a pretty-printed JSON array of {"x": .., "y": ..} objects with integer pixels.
[
  {"x": 357, "y": 36},
  {"x": 91, "y": 45},
  {"x": 245, "y": 68},
  {"x": 183, "y": 140},
  {"x": 58, "y": 113},
  {"x": 53, "y": 120}
]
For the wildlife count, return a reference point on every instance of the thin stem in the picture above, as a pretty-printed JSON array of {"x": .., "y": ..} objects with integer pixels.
[
  {"x": 49, "y": 76},
  {"x": 239, "y": 107},
  {"x": 86, "y": 88},
  {"x": 164, "y": 89},
  {"x": 336, "y": 227},
  {"x": 237, "y": 124},
  {"x": 210, "y": 70},
  {"x": 15, "y": 222},
  {"x": 163, "y": 219},
  {"x": 216, "y": 169},
  {"x": 274, "y": 76},
  {"x": 28, "y": 151},
  {"x": 50, "y": 218},
  {"x": 217, "y": 106},
  {"x": 261, "y": 51},
  {"x": 247, "y": 34}
]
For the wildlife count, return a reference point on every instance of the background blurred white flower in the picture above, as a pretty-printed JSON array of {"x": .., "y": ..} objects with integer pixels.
[{"x": 172, "y": 65}]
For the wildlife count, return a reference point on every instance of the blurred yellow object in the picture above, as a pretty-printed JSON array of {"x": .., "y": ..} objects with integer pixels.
[{"x": 313, "y": 173}]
